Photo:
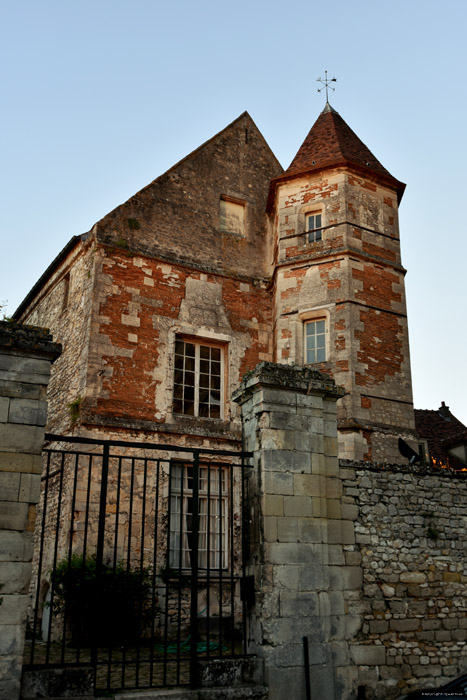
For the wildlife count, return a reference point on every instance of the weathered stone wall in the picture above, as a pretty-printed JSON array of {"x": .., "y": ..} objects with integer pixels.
[
  {"x": 25, "y": 358},
  {"x": 411, "y": 534},
  {"x": 64, "y": 305}
]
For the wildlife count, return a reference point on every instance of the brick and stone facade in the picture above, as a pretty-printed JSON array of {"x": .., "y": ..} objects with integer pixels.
[{"x": 215, "y": 250}]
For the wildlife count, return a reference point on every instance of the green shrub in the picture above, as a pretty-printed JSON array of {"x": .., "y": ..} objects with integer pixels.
[{"x": 111, "y": 609}]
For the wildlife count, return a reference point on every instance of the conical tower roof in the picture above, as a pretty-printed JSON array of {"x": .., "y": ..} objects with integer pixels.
[{"x": 331, "y": 143}]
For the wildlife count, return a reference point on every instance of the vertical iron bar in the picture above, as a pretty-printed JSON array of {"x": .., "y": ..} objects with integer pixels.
[
  {"x": 114, "y": 563},
  {"x": 100, "y": 550},
  {"x": 221, "y": 513},
  {"x": 167, "y": 581},
  {"x": 183, "y": 519},
  {"x": 70, "y": 550},
  {"x": 54, "y": 567},
  {"x": 307, "y": 668},
  {"x": 154, "y": 569},
  {"x": 230, "y": 510},
  {"x": 41, "y": 553},
  {"x": 141, "y": 572},
  {"x": 128, "y": 555},
  {"x": 85, "y": 537},
  {"x": 243, "y": 540},
  {"x": 208, "y": 564},
  {"x": 194, "y": 674}
]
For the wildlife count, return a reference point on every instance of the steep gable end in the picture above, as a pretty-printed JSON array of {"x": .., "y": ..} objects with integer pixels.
[{"x": 179, "y": 216}]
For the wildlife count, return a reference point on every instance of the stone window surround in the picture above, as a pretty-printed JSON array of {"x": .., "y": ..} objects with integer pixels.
[
  {"x": 200, "y": 337},
  {"x": 308, "y": 210}
]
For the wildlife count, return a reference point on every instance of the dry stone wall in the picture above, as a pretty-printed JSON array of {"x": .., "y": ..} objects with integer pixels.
[{"x": 411, "y": 536}]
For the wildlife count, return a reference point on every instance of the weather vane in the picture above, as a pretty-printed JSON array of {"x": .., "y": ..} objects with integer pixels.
[{"x": 326, "y": 84}]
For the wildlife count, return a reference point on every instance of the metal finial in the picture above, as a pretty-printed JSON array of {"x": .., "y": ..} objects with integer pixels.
[{"x": 326, "y": 84}]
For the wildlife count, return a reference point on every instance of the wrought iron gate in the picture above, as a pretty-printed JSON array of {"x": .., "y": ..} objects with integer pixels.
[{"x": 139, "y": 560}]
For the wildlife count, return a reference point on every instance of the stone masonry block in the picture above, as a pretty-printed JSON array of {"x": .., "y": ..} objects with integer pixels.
[
  {"x": 330, "y": 428},
  {"x": 270, "y": 529},
  {"x": 308, "y": 485},
  {"x": 345, "y": 578},
  {"x": 318, "y": 464},
  {"x": 11, "y": 639},
  {"x": 22, "y": 391},
  {"x": 331, "y": 466},
  {"x": 284, "y": 682},
  {"x": 335, "y": 554},
  {"x": 285, "y": 553},
  {"x": 313, "y": 576},
  {"x": 19, "y": 462},
  {"x": 285, "y": 629},
  {"x": 273, "y": 505},
  {"x": 333, "y": 488},
  {"x": 21, "y": 438},
  {"x": 28, "y": 412},
  {"x": 368, "y": 654},
  {"x": 333, "y": 507},
  {"x": 9, "y": 486},
  {"x": 4, "y": 405},
  {"x": 297, "y": 506},
  {"x": 275, "y": 460},
  {"x": 15, "y": 577},
  {"x": 286, "y": 576},
  {"x": 287, "y": 530},
  {"x": 293, "y": 604},
  {"x": 13, "y": 516},
  {"x": 24, "y": 370},
  {"x": 310, "y": 530},
  {"x": 13, "y": 609},
  {"x": 330, "y": 446},
  {"x": 279, "y": 396},
  {"x": 14, "y": 546},
  {"x": 30, "y": 488},
  {"x": 310, "y": 401},
  {"x": 288, "y": 421},
  {"x": 277, "y": 439},
  {"x": 341, "y": 532},
  {"x": 279, "y": 483}
]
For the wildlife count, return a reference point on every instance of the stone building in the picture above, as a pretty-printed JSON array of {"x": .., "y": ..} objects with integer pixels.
[
  {"x": 222, "y": 262},
  {"x": 225, "y": 262}
]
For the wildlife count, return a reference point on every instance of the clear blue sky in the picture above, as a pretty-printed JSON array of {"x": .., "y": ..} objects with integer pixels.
[{"x": 99, "y": 98}]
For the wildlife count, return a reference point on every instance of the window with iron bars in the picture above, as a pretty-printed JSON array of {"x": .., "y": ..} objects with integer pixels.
[{"x": 213, "y": 520}]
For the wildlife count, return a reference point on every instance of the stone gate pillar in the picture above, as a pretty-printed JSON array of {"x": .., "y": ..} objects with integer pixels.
[
  {"x": 297, "y": 529},
  {"x": 26, "y": 354}
]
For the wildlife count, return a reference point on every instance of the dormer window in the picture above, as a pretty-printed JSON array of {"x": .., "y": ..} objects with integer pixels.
[{"x": 313, "y": 224}]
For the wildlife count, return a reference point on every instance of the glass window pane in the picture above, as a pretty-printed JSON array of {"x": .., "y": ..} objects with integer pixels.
[
  {"x": 216, "y": 368},
  {"x": 178, "y": 361},
  {"x": 178, "y": 406},
  {"x": 320, "y": 326},
  {"x": 203, "y": 410},
  {"x": 189, "y": 349},
  {"x": 216, "y": 354},
  {"x": 204, "y": 380},
  {"x": 179, "y": 347},
  {"x": 204, "y": 352},
  {"x": 190, "y": 378},
  {"x": 317, "y": 220},
  {"x": 204, "y": 366},
  {"x": 190, "y": 364},
  {"x": 321, "y": 355}
]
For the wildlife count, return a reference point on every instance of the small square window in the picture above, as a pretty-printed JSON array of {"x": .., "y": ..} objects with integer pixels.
[
  {"x": 313, "y": 226},
  {"x": 315, "y": 341},
  {"x": 231, "y": 216}
]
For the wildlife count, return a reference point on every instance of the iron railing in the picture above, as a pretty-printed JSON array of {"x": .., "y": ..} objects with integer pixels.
[{"x": 139, "y": 561}]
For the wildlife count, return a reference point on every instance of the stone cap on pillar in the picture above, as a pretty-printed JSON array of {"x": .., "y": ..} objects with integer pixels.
[
  {"x": 303, "y": 380},
  {"x": 16, "y": 338}
]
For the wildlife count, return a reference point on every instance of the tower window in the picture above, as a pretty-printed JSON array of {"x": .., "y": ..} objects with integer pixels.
[
  {"x": 231, "y": 216},
  {"x": 315, "y": 341},
  {"x": 313, "y": 226}
]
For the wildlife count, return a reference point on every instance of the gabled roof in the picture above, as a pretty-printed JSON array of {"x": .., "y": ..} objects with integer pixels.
[
  {"x": 442, "y": 431},
  {"x": 332, "y": 143}
]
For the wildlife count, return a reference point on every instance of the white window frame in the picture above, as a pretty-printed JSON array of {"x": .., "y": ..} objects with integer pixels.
[
  {"x": 213, "y": 517},
  {"x": 198, "y": 343},
  {"x": 314, "y": 232},
  {"x": 320, "y": 337}
]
